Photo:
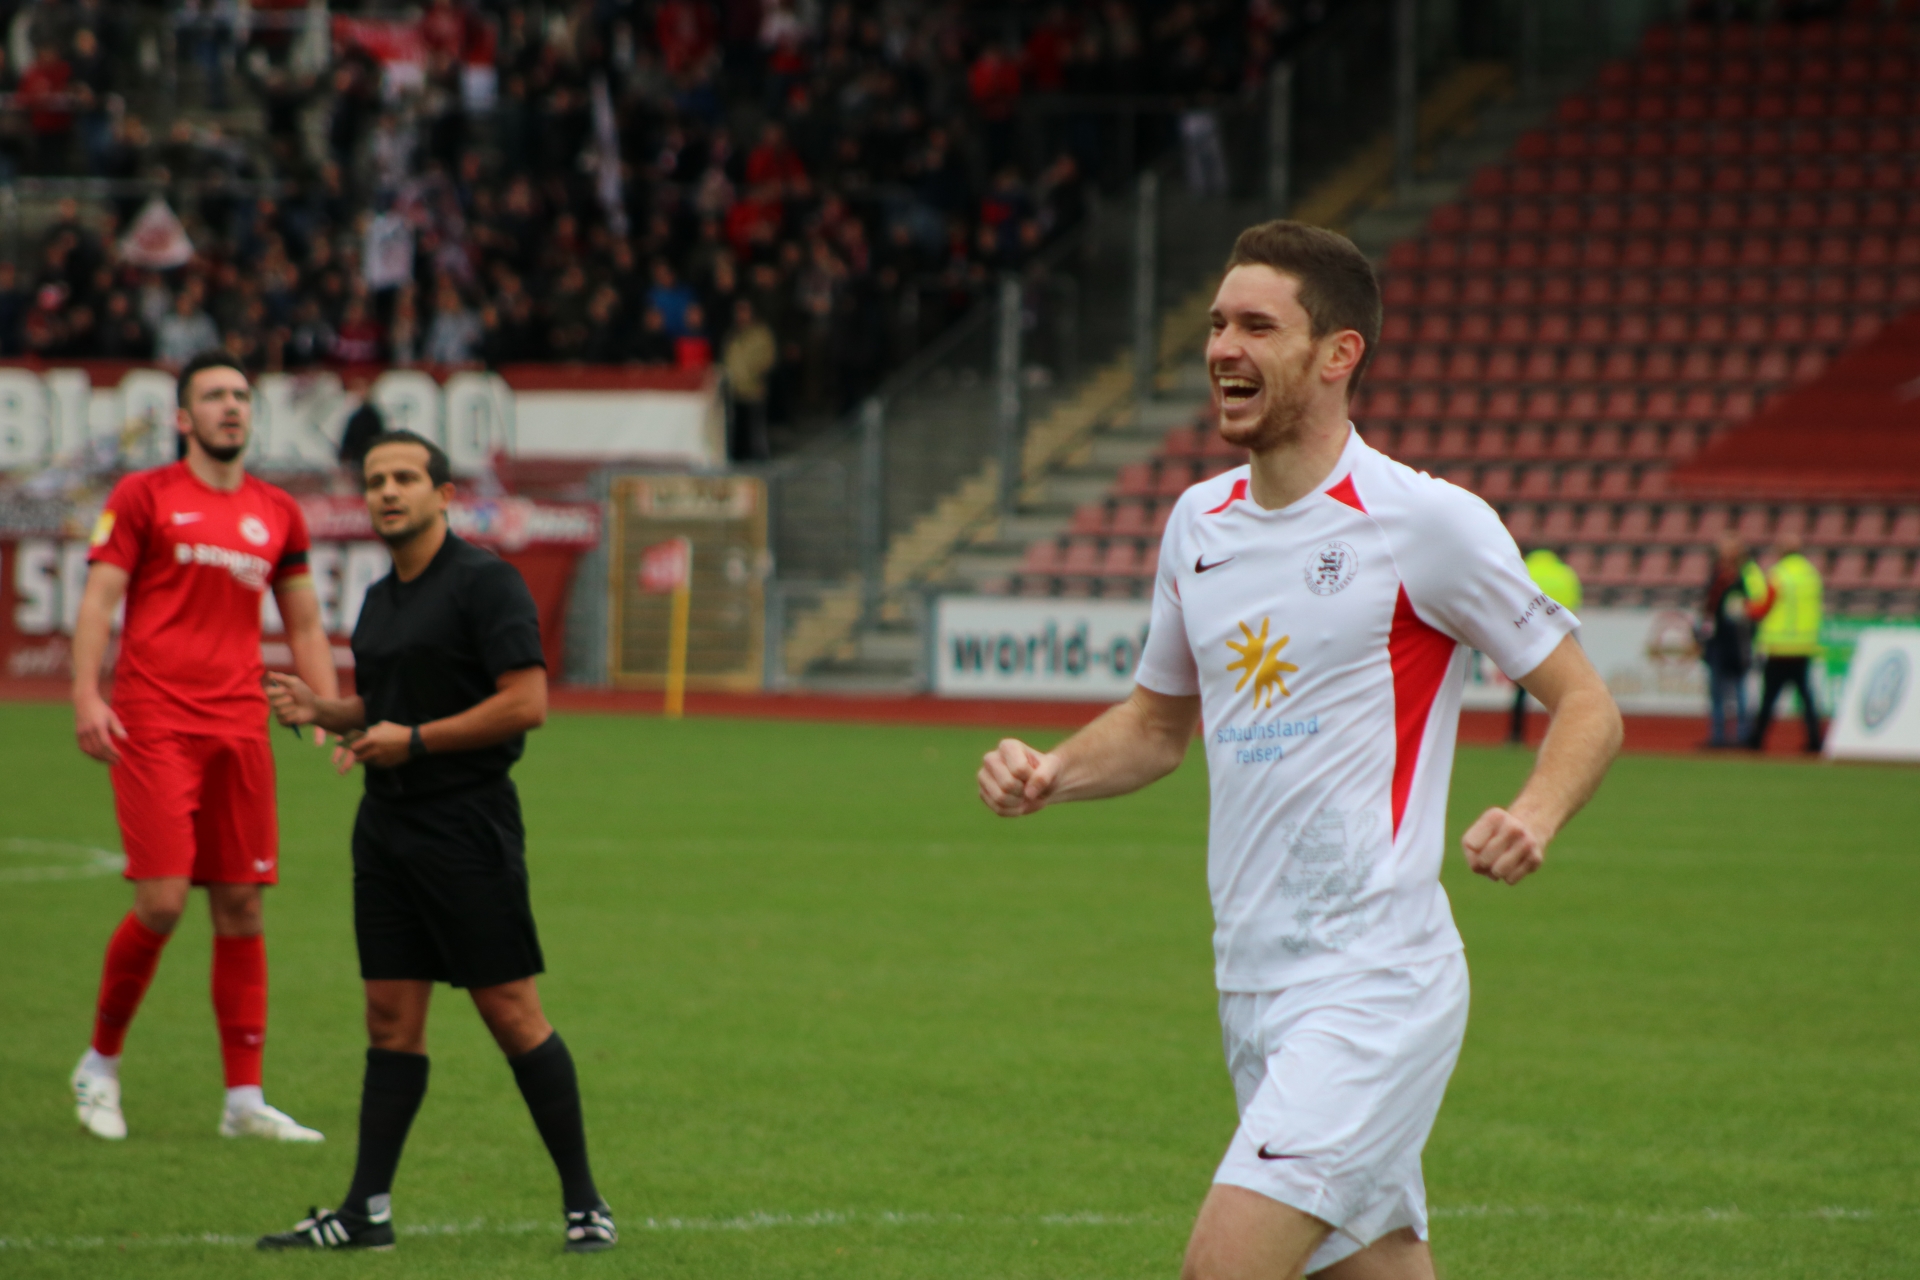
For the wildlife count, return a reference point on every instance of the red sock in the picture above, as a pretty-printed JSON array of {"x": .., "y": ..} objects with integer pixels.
[
  {"x": 240, "y": 1005},
  {"x": 132, "y": 955}
]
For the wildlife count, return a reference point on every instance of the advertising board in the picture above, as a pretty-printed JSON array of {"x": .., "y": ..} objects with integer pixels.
[
  {"x": 43, "y": 570},
  {"x": 1071, "y": 650},
  {"x": 700, "y": 541},
  {"x": 1878, "y": 716}
]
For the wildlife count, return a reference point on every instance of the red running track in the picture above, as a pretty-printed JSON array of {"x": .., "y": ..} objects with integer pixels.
[{"x": 1644, "y": 733}]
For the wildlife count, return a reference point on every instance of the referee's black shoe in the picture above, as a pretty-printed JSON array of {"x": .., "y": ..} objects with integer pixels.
[
  {"x": 327, "y": 1229},
  {"x": 591, "y": 1230}
]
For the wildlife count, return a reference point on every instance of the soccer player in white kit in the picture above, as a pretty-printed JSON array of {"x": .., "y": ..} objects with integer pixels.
[{"x": 1314, "y": 610}]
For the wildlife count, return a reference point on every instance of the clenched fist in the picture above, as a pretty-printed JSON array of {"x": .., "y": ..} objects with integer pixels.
[
  {"x": 1501, "y": 847},
  {"x": 1016, "y": 780}
]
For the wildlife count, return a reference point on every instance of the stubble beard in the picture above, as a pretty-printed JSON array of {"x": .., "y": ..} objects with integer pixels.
[
  {"x": 414, "y": 529},
  {"x": 219, "y": 452},
  {"x": 1284, "y": 420}
]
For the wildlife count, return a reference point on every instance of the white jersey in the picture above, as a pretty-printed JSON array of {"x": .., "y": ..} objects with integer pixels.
[{"x": 1325, "y": 642}]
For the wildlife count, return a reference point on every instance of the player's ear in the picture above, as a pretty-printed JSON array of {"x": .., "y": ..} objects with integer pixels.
[{"x": 1343, "y": 355}]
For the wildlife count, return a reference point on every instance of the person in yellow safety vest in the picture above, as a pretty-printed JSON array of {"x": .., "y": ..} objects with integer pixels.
[
  {"x": 1557, "y": 580},
  {"x": 1790, "y": 639}
]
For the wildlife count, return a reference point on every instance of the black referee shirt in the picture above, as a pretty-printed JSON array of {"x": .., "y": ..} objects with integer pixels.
[{"x": 432, "y": 648}]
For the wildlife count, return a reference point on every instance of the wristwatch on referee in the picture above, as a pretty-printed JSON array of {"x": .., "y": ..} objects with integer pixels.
[{"x": 416, "y": 745}]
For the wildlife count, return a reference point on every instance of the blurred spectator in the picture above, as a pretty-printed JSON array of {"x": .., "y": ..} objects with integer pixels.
[
  {"x": 748, "y": 359},
  {"x": 670, "y": 298},
  {"x": 91, "y": 85},
  {"x": 653, "y": 345},
  {"x": 123, "y": 335},
  {"x": 13, "y": 309},
  {"x": 403, "y": 329},
  {"x": 1790, "y": 639},
  {"x": 364, "y": 424},
  {"x": 454, "y": 334},
  {"x": 43, "y": 92},
  {"x": 692, "y": 349},
  {"x": 1736, "y": 594},
  {"x": 850, "y": 172},
  {"x": 357, "y": 340},
  {"x": 186, "y": 331}
]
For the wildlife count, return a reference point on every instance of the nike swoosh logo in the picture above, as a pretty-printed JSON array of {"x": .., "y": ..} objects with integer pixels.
[
  {"x": 1201, "y": 566},
  {"x": 185, "y": 517},
  {"x": 1265, "y": 1154}
]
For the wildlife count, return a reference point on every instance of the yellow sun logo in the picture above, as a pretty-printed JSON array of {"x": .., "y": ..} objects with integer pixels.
[{"x": 1261, "y": 663}]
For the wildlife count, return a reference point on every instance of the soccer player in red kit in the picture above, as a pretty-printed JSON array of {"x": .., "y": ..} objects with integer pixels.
[{"x": 192, "y": 548}]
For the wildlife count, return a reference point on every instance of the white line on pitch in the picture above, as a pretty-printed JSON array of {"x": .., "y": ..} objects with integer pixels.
[{"x": 854, "y": 1218}]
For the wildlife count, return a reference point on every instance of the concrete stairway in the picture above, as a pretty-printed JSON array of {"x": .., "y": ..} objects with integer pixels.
[{"x": 1074, "y": 455}]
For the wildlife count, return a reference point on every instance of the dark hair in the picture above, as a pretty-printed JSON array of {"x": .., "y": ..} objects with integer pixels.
[
  {"x": 212, "y": 359},
  {"x": 1338, "y": 289},
  {"x": 439, "y": 470}
]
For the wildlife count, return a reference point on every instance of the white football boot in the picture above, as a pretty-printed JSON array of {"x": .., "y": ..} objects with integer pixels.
[
  {"x": 264, "y": 1121},
  {"x": 96, "y": 1100}
]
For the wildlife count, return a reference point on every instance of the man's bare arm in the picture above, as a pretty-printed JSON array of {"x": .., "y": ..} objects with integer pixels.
[
  {"x": 1132, "y": 744},
  {"x": 312, "y": 651},
  {"x": 294, "y": 702},
  {"x": 94, "y": 724},
  {"x": 1583, "y": 737}
]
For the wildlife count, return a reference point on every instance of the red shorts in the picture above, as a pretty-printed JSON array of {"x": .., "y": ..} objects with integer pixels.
[{"x": 197, "y": 805}]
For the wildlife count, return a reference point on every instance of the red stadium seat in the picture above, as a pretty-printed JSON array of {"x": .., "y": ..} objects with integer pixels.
[
  {"x": 1174, "y": 480},
  {"x": 1830, "y": 527},
  {"x": 1136, "y": 480},
  {"x": 1089, "y": 518},
  {"x": 1615, "y": 569},
  {"x": 1122, "y": 559},
  {"x": 1181, "y": 442},
  {"x": 1673, "y": 526},
  {"x": 1849, "y": 571},
  {"x": 1596, "y": 525},
  {"x": 1131, "y": 520},
  {"x": 1756, "y": 525},
  {"x": 1904, "y": 530},
  {"x": 1892, "y": 570},
  {"x": 1082, "y": 557},
  {"x": 1042, "y": 557}
]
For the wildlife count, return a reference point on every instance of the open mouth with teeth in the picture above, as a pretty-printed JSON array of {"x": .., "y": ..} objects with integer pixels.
[{"x": 1236, "y": 390}]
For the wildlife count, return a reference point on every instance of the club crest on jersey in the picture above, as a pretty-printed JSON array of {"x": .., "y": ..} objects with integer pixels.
[
  {"x": 1260, "y": 662},
  {"x": 254, "y": 530},
  {"x": 1330, "y": 567}
]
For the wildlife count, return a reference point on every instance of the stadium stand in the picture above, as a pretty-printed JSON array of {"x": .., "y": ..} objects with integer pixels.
[
  {"x": 1705, "y": 226},
  {"x": 602, "y": 184}
]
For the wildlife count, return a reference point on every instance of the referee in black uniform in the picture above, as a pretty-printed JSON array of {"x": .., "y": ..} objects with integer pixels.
[{"x": 450, "y": 677}]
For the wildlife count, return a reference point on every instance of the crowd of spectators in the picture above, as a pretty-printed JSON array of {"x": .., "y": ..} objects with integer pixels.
[{"x": 802, "y": 192}]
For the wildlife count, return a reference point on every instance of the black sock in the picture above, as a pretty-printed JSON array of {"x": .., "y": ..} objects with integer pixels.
[
  {"x": 395, "y": 1084},
  {"x": 552, "y": 1091}
]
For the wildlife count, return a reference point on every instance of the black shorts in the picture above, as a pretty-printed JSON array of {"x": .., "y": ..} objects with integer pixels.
[{"x": 440, "y": 888}]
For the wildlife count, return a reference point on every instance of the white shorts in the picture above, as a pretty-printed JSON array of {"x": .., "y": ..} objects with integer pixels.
[{"x": 1338, "y": 1083}]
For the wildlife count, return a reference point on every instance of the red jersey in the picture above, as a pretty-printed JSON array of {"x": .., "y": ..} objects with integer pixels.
[{"x": 200, "y": 560}]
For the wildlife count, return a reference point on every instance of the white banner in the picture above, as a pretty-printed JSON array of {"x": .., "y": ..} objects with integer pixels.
[
  {"x": 1072, "y": 650},
  {"x": 64, "y": 416},
  {"x": 1879, "y": 713}
]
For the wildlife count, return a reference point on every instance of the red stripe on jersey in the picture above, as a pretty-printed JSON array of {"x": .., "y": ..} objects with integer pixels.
[
  {"x": 1344, "y": 492},
  {"x": 1239, "y": 492},
  {"x": 1420, "y": 655}
]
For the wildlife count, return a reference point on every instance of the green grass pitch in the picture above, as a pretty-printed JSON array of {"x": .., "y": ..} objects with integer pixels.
[{"x": 832, "y": 1019}]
